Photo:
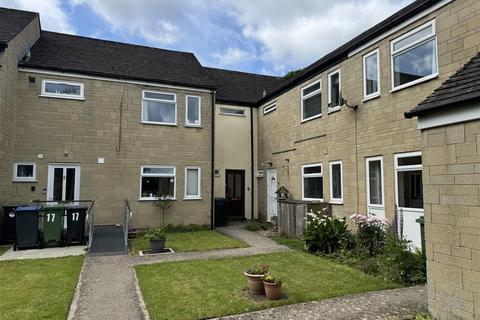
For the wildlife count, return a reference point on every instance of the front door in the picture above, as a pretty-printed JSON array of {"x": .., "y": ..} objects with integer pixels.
[
  {"x": 409, "y": 193},
  {"x": 375, "y": 193},
  {"x": 63, "y": 182},
  {"x": 235, "y": 192},
  {"x": 272, "y": 186}
]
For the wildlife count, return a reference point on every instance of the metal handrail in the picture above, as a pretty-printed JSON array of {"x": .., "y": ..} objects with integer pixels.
[{"x": 127, "y": 221}]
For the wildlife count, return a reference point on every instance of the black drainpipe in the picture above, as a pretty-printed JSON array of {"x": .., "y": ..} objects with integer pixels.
[
  {"x": 212, "y": 214},
  {"x": 252, "y": 159}
]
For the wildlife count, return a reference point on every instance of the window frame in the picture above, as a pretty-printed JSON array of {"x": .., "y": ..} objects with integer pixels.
[
  {"x": 223, "y": 113},
  {"x": 16, "y": 178},
  {"x": 329, "y": 76},
  {"x": 367, "y": 174},
  {"x": 311, "y": 94},
  {"x": 416, "y": 43},
  {"x": 312, "y": 175},
  {"x": 270, "y": 108},
  {"x": 378, "y": 92},
  {"x": 44, "y": 93},
  {"x": 199, "y": 184},
  {"x": 397, "y": 169},
  {"x": 174, "y": 102},
  {"x": 158, "y": 175},
  {"x": 332, "y": 199},
  {"x": 188, "y": 124}
]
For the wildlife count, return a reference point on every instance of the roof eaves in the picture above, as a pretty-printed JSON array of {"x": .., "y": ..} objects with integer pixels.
[{"x": 442, "y": 106}]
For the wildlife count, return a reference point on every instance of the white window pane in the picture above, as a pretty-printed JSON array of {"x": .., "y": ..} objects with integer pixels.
[
  {"x": 312, "y": 106},
  {"x": 410, "y": 161},
  {"x": 155, "y": 170},
  {"x": 193, "y": 110},
  {"x": 25, "y": 171},
  {"x": 415, "y": 63},
  {"x": 428, "y": 30},
  {"x": 310, "y": 170},
  {"x": 335, "y": 90},
  {"x": 313, "y": 187},
  {"x": 160, "y": 96},
  {"x": 311, "y": 89},
  {"x": 371, "y": 74},
  {"x": 62, "y": 88},
  {"x": 192, "y": 182},
  {"x": 153, "y": 187},
  {"x": 238, "y": 112},
  {"x": 375, "y": 181},
  {"x": 157, "y": 111},
  {"x": 336, "y": 181}
]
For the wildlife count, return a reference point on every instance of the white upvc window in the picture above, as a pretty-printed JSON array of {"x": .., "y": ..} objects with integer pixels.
[
  {"x": 336, "y": 182},
  {"x": 270, "y": 108},
  {"x": 371, "y": 75},
  {"x": 311, "y": 104},
  {"x": 232, "y": 112},
  {"x": 334, "y": 91},
  {"x": 63, "y": 89},
  {"x": 193, "y": 182},
  {"x": 157, "y": 181},
  {"x": 414, "y": 57},
  {"x": 408, "y": 177},
  {"x": 312, "y": 182},
  {"x": 24, "y": 171},
  {"x": 159, "y": 107},
  {"x": 193, "y": 111}
]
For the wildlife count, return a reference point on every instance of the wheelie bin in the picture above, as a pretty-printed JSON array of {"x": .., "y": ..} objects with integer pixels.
[
  {"x": 76, "y": 216},
  {"x": 8, "y": 224},
  {"x": 27, "y": 233},
  {"x": 52, "y": 225}
]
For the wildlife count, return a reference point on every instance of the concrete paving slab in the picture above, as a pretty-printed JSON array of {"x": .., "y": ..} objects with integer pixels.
[{"x": 46, "y": 253}]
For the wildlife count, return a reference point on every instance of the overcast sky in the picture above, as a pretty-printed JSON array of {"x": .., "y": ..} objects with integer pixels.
[{"x": 262, "y": 36}]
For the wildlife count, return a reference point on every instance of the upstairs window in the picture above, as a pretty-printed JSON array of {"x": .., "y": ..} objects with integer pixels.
[
  {"x": 232, "y": 112},
  {"x": 62, "y": 89},
  {"x": 24, "y": 171},
  {"x": 371, "y": 75},
  {"x": 334, "y": 91},
  {"x": 193, "y": 114},
  {"x": 159, "y": 108},
  {"x": 157, "y": 182},
  {"x": 312, "y": 182},
  {"x": 311, "y": 101},
  {"x": 414, "y": 56}
]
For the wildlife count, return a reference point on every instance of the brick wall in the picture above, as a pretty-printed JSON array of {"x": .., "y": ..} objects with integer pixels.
[{"x": 452, "y": 215}]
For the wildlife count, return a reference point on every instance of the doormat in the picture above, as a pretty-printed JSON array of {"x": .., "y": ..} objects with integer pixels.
[{"x": 150, "y": 253}]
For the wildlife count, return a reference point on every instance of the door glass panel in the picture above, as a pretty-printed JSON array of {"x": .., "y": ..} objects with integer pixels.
[
  {"x": 410, "y": 189},
  {"x": 57, "y": 184},
  {"x": 375, "y": 181},
  {"x": 238, "y": 186},
  {"x": 70, "y": 185}
]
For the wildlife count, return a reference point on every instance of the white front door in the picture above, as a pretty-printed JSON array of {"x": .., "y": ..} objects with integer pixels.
[
  {"x": 63, "y": 182},
  {"x": 409, "y": 193},
  {"x": 375, "y": 193},
  {"x": 271, "y": 193}
]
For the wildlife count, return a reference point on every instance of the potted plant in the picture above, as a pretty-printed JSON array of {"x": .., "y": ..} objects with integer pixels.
[
  {"x": 273, "y": 287},
  {"x": 157, "y": 239},
  {"x": 254, "y": 276}
]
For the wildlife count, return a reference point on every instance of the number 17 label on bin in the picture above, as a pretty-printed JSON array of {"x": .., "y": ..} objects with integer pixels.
[{"x": 51, "y": 217}]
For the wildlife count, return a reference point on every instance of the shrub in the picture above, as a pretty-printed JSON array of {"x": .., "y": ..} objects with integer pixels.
[
  {"x": 181, "y": 228},
  {"x": 371, "y": 233},
  {"x": 258, "y": 269},
  {"x": 156, "y": 234},
  {"x": 325, "y": 234},
  {"x": 253, "y": 225}
]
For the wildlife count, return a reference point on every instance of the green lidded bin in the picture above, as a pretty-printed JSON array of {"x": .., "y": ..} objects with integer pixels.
[{"x": 52, "y": 224}]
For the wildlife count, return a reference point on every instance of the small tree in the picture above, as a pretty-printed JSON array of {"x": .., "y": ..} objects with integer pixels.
[{"x": 164, "y": 203}]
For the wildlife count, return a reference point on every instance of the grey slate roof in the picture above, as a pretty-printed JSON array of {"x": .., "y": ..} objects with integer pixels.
[
  {"x": 12, "y": 22},
  {"x": 460, "y": 89},
  {"x": 241, "y": 87},
  {"x": 69, "y": 53}
]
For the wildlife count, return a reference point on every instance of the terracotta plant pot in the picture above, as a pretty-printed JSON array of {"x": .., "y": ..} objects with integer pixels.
[
  {"x": 273, "y": 291},
  {"x": 255, "y": 283}
]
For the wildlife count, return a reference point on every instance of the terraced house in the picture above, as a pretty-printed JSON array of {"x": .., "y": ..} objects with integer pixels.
[{"x": 83, "y": 118}]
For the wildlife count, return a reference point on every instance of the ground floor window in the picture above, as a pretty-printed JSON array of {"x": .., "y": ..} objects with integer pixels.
[
  {"x": 336, "y": 183},
  {"x": 408, "y": 168},
  {"x": 192, "y": 182},
  {"x": 312, "y": 182},
  {"x": 24, "y": 171},
  {"x": 157, "y": 181}
]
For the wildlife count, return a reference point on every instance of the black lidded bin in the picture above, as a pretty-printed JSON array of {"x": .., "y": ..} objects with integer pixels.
[
  {"x": 8, "y": 224},
  {"x": 76, "y": 216},
  {"x": 221, "y": 211},
  {"x": 27, "y": 233}
]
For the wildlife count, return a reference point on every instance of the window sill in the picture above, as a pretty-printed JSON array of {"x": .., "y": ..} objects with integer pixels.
[
  {"x": 192, "y": 198},
  {"x": 333, "y": 110},
  {"x": 339, "y": 202},
  {"x": 160, "y": 123},
  {"x": 28, "y": 181},
  {"x": 62, "y": 97},
  {"x": 312, "y": 199},
  {"x": 413, "y": 83},
  {"x": 311, "y": 118},
  {"x": 193, "y": 126},
  {"x": 371, "y": 97},
  {"x": 154, "y": 199}
]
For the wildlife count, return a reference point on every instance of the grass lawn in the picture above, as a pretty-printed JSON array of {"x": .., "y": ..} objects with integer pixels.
[
  {"x": 190, "y": 241},
  {"x": 212, "y": 288},
  {"x": 38, "y": 289},
  {"x": 296, "y": 244},
  {"x": 4, "y": 249}
]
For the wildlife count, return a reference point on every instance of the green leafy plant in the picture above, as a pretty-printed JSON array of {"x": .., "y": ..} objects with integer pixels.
[
  {"x": 181, "y": 228},
  {"x": 253, "y": 225},
  {"x": 325, "y": 234},
  {"x": 156, "y": 234},
  {"x": 164, "y": 203},
  {"x": 258, "y": 269},
  {"x": 371, "y": 233},
  {"x": 269, "y": 278}
]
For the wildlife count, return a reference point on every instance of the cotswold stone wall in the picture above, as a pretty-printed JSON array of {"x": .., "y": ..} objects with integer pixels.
[{"x": 451, "y": 167}]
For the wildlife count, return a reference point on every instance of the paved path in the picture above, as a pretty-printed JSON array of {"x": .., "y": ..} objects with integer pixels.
[
  {"x": 45, "y": 253},
  {"x": 397, "y": 304}
]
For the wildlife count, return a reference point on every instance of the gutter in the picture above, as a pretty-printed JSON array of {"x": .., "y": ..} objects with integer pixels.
[
  {"x": 212, "y": 173},
  {"x": 252, "y": 159}
]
